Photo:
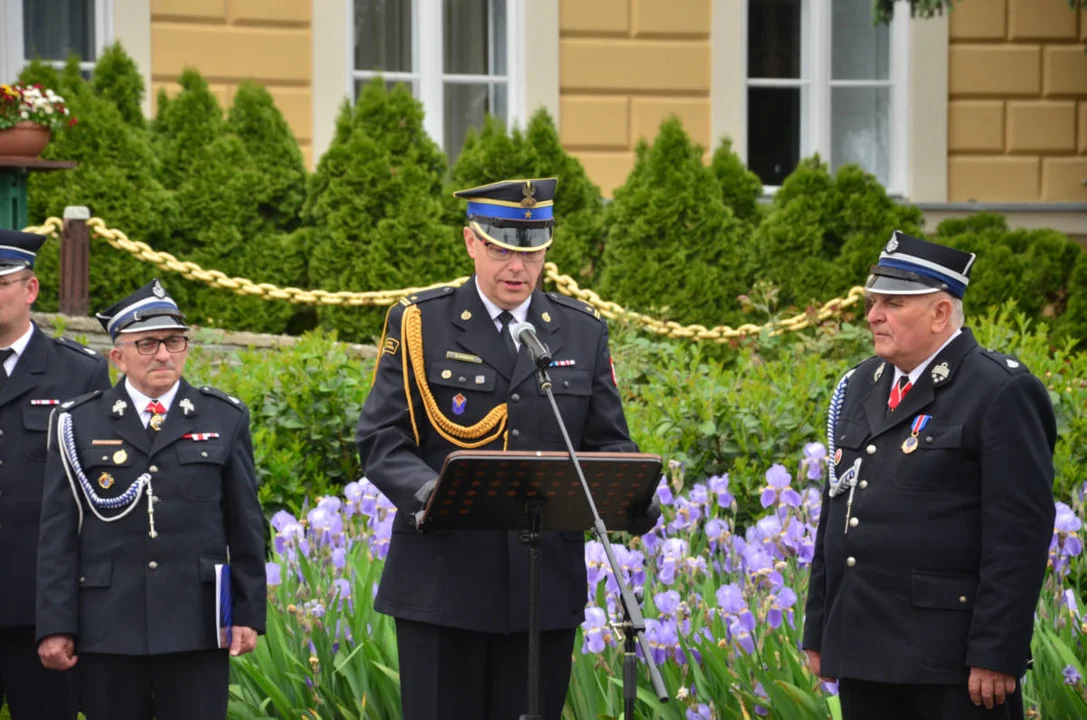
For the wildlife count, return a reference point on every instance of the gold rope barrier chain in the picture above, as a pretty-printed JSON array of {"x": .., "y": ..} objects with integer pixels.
[{"x": 563, "y": 283}]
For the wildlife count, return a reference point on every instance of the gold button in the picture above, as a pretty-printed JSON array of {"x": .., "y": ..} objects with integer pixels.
[
  {"x": 962, "y": 599},
  {"x": 153, "y": 468},
  {"x": 871, "y": 449},
  {"x": 204, "y": 453},
  {"x": 863, "y": 484},
  {"x": 851, "y": 561},
  {"x": 854, "y": 522},
  {"x": 152, "y": 564},
  {"x": 446, "y": 374}
]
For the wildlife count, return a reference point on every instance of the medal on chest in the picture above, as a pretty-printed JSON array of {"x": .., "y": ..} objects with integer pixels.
[{"x": 910, "y": 444}]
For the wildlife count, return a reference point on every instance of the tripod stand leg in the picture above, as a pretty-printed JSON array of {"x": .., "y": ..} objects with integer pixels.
[
  {"x": 630, "y": 670},
  {"x": 535, "y": 513}
]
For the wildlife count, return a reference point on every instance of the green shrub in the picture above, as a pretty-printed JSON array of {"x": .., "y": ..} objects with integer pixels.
[
  {"x": 185, "y": 127},
  {"x": 740, "y": 188},
  {"x": 673, "y": 248},
  {"x": 304, "y": 401},
  {"x": 117, "y": 79},
  {"x": 823, "y": 232},
  {"x": 116, "y": 178},
  {"x": 377, "y": 209}
]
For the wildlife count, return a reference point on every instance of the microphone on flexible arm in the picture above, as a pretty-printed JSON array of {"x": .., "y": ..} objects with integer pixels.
[{"x": 525, "y": 333}]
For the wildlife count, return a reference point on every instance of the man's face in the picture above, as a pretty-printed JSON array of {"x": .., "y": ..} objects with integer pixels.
[
  {"x": 506, "y": 282},
  {"x": 906, "y": 329},
  {"x": 18, "y": 291},
  {"x": 152, "y": 374}
]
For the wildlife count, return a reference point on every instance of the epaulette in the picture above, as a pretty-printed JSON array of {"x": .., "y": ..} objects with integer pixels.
[
  {"x": 69, "y": 404},
  {"x": 228, "y": 399},
  {"x": 424, "y": 295},
  {"x": 575, "y": 304},
  {"x": 1009, "y": 363},
  {"x": 75, "y": 347}
]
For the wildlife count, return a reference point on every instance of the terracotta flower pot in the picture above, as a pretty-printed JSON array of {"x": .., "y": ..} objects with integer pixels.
[{"x": 26, "y": 139}]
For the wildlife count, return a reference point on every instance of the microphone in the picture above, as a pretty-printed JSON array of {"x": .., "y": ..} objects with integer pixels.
[{"x": 525, "y": 333}]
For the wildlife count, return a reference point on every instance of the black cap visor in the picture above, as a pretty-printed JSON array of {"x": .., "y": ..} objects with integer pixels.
[
  {"x": 892, "y": 281},
  {"x": 522, "y": 237}
]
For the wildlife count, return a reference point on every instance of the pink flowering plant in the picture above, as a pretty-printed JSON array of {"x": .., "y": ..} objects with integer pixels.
[{"x": 33, "y": 103}]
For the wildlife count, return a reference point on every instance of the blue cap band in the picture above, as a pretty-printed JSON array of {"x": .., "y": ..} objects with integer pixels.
[
  {"x": 11, "y": 255},
  {"x": 954, "y": 287},
  {"x": 505, "y": 212}
]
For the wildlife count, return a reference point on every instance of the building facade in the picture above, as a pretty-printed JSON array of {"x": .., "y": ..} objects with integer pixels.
[{"x": 982, "y": 108}]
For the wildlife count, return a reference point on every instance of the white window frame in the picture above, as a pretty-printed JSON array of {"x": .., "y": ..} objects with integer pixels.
[
  {"x": 12, "y": 52},
  {"x": 815, "y": 78},
  {"x": 428, "y": 77}
]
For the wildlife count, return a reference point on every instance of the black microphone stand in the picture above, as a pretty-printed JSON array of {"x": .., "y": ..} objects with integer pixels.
[{"x": 633, "y": 624}]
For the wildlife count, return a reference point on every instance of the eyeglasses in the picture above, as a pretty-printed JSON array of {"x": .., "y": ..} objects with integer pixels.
[
  {"x": 501, "y": 254},
  {"x": 150, "y": 346},
  {"x": 8, "y": 283}
]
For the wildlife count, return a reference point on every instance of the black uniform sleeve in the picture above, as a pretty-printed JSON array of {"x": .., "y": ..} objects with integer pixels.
[
  {"x": 385, "y": 438},
  {"x": 245, "y": 531},
  {"x": 606, "y": 425},
  {"x": 58, "y": 549},
  {"x": 1017, "y": 439}
]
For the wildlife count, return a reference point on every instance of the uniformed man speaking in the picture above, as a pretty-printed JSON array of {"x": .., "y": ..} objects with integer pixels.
[
  {"x": 450, "y": 376},
  {"x": 937, "y": 517},
  {"x": 149, "y": 487}
]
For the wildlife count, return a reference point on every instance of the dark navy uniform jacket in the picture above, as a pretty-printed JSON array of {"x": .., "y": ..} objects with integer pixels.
[
  {"x": 50, "y": 371},
  {"x": 113, "y": 587},
  {"x": 947, "y": 549},
  {"x": 477, "y": 580}
]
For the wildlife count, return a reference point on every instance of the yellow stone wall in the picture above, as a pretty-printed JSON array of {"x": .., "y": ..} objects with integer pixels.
[
  {"x": 1017, "y": 112},
  {"x": 625, "y": 66},
  {"x": 229, "y": 41}
]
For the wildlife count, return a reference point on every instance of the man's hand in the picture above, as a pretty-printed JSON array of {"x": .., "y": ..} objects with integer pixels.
[
  {"x": 243, "y": 640},
  {"x": 989, "y": 687},
  {"x": 815, "y": 663},
  {"x": 645, "y": 522},
  {"x": 57, "y": 652}
]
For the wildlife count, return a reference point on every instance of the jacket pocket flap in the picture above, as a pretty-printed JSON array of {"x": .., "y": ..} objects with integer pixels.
[
  {"x": 850, "y": 435},
  {"x": 207, "y": 567},
  {"x": 96, "y": 574},
  {"x": 569, "y": 381},
  {"x": 36, "y": 418},
  {"x": 105, "y": 455},
  {"x": 944, "y": 591},
  {"x": 936, "y": 437},
  {"x": 466, "y": 376},
  {"x": 201, "y": 452}
]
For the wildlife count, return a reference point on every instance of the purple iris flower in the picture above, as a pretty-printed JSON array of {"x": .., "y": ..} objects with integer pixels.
[
  {"x": 777, "y": 488},
  {"x": 596, "y": 564},
  {"x": 631, "y": 564},
  {"x": 812, "y": 501},
  {"x": 830, "y": 688},
  {"x": 760, "y": 691},
  {"x": 291, "y": 534},
  {"x": 316, "y": 609},
  {"x": 699, "y": 495},
  {"x": 282, "y": 519},
  {"x": 718, "y": 532},
  {"x": 330, "y": 503},
  {"x": 1071, "y": 675},
  {"x": 339, "y": 558},
  {"x": 1066, "y": 527},
  {"x": 273, "y": 573},
  {"x": 673, "y": 552},
  {"x": 701, "y": 712},
  {"x": 780, "y": 601},
  {"x": 667, "y": 602},
  {"x": 596, "y": 632},
  {"x": 368, "y": 498},
  {"x": 718, "y": 484},
  {"x": 687, "y": 515},
  {"x": 742, "y": 628},
  {"x": 664, "y": 493},
  {"x": 353, "y": 492},
  {"x": 342, "y": 588},
  {"x": 663, "y": 640},
  {"x": 815, "y": 460}
]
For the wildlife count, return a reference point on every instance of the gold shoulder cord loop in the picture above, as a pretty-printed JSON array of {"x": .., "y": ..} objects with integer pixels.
[{"x": 487, "y": 430}]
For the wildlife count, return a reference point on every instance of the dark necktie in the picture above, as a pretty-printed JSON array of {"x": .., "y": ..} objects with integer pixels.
[
  {"x": 506, "y": 318},
  {"x": 898, "y": 392},
  {"x": 4, "y": 355}
]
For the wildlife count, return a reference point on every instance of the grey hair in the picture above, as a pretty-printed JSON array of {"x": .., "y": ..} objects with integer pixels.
[{"x": 958, "y": 317}]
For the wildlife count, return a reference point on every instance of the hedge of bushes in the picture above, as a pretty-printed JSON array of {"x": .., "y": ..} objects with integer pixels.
[{"x": 682, "y": 239}]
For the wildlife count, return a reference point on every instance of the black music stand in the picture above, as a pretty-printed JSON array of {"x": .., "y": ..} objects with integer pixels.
[{"x": 533, "y": 491}]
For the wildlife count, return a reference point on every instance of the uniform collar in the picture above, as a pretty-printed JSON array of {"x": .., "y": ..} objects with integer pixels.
[
  {"x": 19, "y": 346},
  {"x": 920, "y": 369},
  {"x": 520, "y": 313},
  {"x": 140, "y": 401}
]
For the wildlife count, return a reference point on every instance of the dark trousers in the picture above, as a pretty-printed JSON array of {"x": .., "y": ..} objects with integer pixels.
[
  {"x": 178, "y": 686},
  {"x": 32, "y": 691},
  {"x": 450, "y": 674},
  {"x": 862, "y": 700}
]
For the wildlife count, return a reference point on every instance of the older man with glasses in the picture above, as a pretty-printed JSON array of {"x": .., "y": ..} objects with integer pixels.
[
  {"x": 150, "y": 491},
  {"x": 450, "y": 376}
]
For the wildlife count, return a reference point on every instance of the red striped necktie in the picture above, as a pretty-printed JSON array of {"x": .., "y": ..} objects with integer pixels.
[{"x": 898, "y": 392}]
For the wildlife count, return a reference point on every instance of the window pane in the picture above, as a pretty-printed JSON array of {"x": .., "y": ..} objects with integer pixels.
[
  {"x": 860, "y": 51},
  {"x": 465, "y": 106},
  {"x": 861, "y": 129},
  {"x": 773, "y": 38},
  {"x": 475, "y": 37},
  {"x": 383, "y": 35},
  {"x": 773, "y": 132},
  {"x": 53, "y": 29}
]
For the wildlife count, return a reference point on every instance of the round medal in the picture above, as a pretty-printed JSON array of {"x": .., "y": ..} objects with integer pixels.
[{"x": 910, "y": 444}]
